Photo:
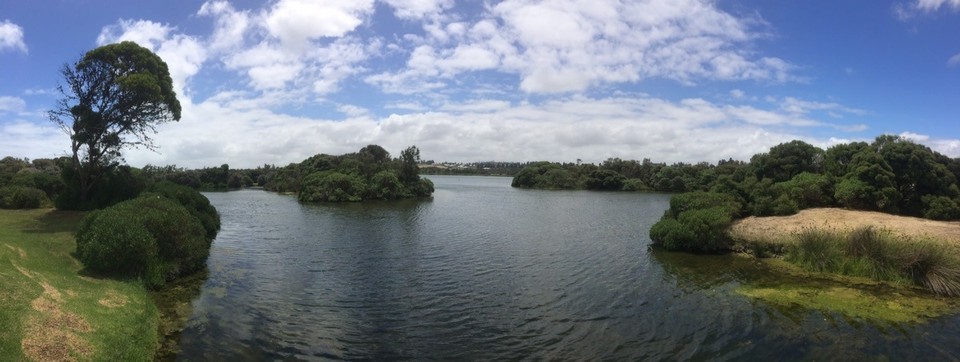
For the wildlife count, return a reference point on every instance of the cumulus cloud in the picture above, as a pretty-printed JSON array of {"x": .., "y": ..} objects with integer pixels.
[
  {"x": 908, "y": 11},
  {"x": 569, "y": 46},
  {"x": 12, "y": 104},
  {"x": 933, "y": 5},
  {"x": 183, "y": 54},
  {"x": 296, "y": 23},
  {"x": 564, "y": 129},
  {"x": 419, "y": 9},
  {"x": 21, "y": 138},
  {"x": 230, "y": 25},
  {"x": 296, "y": 53},
  {"x": 11, "y": 37}
]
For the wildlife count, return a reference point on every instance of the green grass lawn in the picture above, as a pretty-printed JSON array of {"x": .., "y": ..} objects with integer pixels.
[{"x": 49, "y": 311}]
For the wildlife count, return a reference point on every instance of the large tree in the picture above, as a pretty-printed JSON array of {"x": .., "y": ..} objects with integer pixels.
[{"x": 112, "y": 98}]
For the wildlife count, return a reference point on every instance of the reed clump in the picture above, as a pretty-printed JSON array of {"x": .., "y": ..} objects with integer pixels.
[{"x": 880, "y": 255}]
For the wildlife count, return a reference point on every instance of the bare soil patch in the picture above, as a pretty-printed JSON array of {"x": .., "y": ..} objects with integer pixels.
[
  {"x": 53, "y": 335},
  {"x": 783, "y": 228},
  {"x": 113, "y": 300}
]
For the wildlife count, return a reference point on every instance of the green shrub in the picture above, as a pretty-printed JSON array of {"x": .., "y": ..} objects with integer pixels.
[
  {"x": 709, "y": 226},
  {"x": 423, "y": 187},
  {"x": 635, "y": 184},
  {"x": 50, "y": 184},
  {"x": 20, "y": 197},
  {"x": 332, "y": 186},
  {"x": 697, "y": 222},
  {"x": 784, "y": 205},
  {"x": 703, "y": 200},
  {"x": 197, "y": 204},
  {"x": 940, "y": 208},
  {"x": 153, "y": 238},
  {"x": 672, "y": 235},
  {"x": 608, "y": 180},
  {"x": 385, "y": 185}
]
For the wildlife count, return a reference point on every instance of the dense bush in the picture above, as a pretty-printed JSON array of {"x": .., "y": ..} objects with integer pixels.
[
  {"x": 50, "y": 184},
  {"x": 332, "y": 186},
  {"x": 385, "y": 185},
  {"x": 20, "y": 197},
  {"x": 153, "y": 238},
  {"x": 941, "y": 208},
  {"x": 672, "y": 235},
  {"x": 635, "y": 185},
  {"x": 608, "y": 180},
  {"x": 122, "y": 183},
  {"x": 702, "y": 200},
  {"x": 697, "y": 222},
  {"x": 197, "y": 204},
  {"x": 545, "y": 175}
]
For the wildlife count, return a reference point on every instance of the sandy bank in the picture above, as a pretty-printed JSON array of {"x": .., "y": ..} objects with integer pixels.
[{"x": 774, "y": 228}]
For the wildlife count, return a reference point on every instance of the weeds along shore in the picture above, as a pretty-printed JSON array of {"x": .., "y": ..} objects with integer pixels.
[{"x": 868, "y": 252}]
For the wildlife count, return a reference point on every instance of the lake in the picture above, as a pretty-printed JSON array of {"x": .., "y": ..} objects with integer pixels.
[{"x": 482, "y": 271}]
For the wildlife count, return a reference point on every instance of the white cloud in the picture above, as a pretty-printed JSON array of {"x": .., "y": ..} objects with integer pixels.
[
  {"x": 954, "y": 60},
  {"x": 296, "y": 23},
  {"x": 12, "y": 104},
  {"x": 692, "y": 130},
  {"x": 230, "y": 25},
  {"x": 419, "y": 9},
  {"x": 21, "y": 138},
  {"x": 572, "y": 45},
  {"x": 183, "y": 54},
  {"x": 905, "y": 12},
  {"x": 11, "y": 36},
  {"x": 933, "y": 5},
  {"x": 800, "y": 107}
]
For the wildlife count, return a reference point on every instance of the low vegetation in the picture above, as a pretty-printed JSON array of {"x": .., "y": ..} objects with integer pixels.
[
  {"x": 871, "y": 253},
  {"x": 697, "y": 222},
  {"x": 50, "y": 311}
]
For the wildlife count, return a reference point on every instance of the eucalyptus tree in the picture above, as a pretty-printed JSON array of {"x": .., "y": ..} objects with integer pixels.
[{"x": 112, "y": 98}]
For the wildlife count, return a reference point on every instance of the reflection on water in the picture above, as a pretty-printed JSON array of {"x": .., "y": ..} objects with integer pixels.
[{"x": 484, "y": 271}]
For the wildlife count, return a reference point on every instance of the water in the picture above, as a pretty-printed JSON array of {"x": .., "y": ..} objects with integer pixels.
[{"x": 483, "y": 271}]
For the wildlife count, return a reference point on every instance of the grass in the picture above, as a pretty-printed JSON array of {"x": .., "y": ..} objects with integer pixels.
[
  {"x": 867, "y": 252},
  {"x": 49, "y": 311}
]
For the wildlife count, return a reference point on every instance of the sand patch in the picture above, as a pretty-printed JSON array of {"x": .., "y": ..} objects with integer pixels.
[
  {"x": 775, "y": 228},
  {"x": 16, "y": 249},
  {"x": 53, "y": 335}
]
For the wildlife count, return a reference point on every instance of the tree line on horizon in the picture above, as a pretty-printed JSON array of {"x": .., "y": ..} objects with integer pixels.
[{"x": 892, "y": 174}]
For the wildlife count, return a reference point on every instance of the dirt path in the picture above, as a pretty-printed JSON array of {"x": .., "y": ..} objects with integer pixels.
[{"x": 784, "y": 227}]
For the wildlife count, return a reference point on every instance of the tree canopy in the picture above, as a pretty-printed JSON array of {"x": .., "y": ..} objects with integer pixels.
[
  {"x": 891, "y": 174},
  {"x": 112, "y": 98}
]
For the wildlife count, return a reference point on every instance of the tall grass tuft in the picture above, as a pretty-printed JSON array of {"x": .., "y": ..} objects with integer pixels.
[
  {"x": 880, "y": 255},
  {"x": 931, "y": 265},
  {"x": 817, "y": 250},
  {"x": 877, "y": 250}
]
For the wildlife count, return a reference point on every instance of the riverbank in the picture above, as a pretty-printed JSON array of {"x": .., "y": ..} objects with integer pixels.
[
  {"x": 784, "y": 228},
  {"x": 900, "y": 254},
  {"x": 48, "y": 311}
]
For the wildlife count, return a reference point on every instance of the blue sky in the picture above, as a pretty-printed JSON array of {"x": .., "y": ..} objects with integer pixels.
[{"x": 514, "y": 80}]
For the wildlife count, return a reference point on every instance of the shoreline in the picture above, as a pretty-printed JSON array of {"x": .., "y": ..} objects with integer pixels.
[{"x": 781, "y": 229}]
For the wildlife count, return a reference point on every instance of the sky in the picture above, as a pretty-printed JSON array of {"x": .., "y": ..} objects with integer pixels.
[{"x": 274, "y": 82}]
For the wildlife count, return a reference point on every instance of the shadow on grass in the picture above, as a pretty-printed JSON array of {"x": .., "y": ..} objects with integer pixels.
[{"x": 56, "y": 221}]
